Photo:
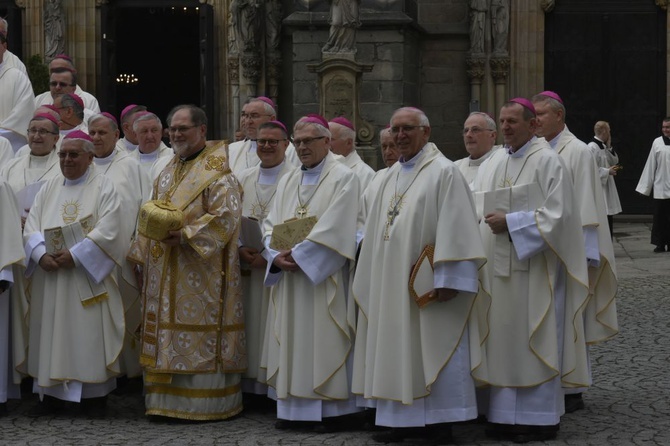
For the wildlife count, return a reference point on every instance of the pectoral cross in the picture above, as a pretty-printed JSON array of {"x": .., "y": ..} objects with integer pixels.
[
  {"x": 301, "y": 211},
  {"x": 391, "y": 214}
]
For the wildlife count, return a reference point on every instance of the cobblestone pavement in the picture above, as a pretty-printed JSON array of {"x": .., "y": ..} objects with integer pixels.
[{"x": 628, "y": 404}]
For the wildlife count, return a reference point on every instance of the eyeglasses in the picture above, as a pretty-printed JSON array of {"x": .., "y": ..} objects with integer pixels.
[
  {"x": 306, "y": 141},
  {"x": 272, "y": 142},
  {"x": 60, "y": 84},
  {"x": 253, "y": 116},
  {"x": 182, "y": 129},
  {"x": 475, "y": 130},
  {"x": 71, "y": 155},
  {"x": 405, "y": 128},
  {"x": 41, "y": 132}
]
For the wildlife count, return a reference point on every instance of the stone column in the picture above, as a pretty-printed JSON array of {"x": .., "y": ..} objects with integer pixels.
[
  {"x": 500, "y": 72},
  {"x": 81, "y": 40},
  {"x": 33, "y": 27},
  {"x": 475, "y": 72},
  {"x": 527, "y": 47}
]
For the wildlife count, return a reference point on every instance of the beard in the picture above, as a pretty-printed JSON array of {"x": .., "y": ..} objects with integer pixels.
[{"x": 181, "y": 148}]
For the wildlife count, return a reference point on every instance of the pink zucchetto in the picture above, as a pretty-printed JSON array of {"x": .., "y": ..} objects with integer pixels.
[
  {"x": 46, "y": 116},
  {"x": 78, "y": 99},
  {"x": 110, "y": 116},
  {"x": 78, "y": 134},
  {"x": 125, "y": 111},
  {"x": 315, "y": 119},
  {"x": 525, "y": 103},
  {"x": 267, "y": 100},
  {"x": 552, "y": 95},
  {"x": 343, "y": 121},
  {"x": 64, "y": 57},
  {"x": 280, "y": 124}
]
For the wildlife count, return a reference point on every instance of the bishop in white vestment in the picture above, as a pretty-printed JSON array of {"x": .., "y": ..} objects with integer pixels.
[
  {"x": 309, "y": 340},
  {"x": 76, "y": 314},
  {"x": 419, "y": 365},
  {"x": 16, "y": 101}
]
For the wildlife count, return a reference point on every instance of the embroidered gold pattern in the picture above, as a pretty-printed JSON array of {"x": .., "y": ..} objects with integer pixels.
[
  {"x": 70, "y": 211},
  {"x": 214, "y": 162}
]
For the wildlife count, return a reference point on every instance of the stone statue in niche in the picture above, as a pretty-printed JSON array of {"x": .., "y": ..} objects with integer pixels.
[
  {"x": 500, "y": 25},
  {"x": 272, "y": 24},
  {"x": 247, "y": 21},
  {"x": 344, "y": 20},
  {"x": 478, "y": 9},
  {"x": 54, "y": 27},
  {"x": 232, "y": 28}
]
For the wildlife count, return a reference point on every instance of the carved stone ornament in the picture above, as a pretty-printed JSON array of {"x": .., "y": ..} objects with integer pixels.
[
  {"x": 548, "y": 5},
  {"x": 251, "y": 67},
  {"x": 234, "y": 70},
  {"x": 663, "y": 4},
  {"x": 21, "y": 3},
  {"x": 500, "y": 69},
  {"x": 273, "y": 66},
  {"x": 475, "y": 69}
]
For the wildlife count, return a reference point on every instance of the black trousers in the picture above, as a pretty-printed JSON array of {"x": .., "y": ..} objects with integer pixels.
[{"x": 660, "y": 228}]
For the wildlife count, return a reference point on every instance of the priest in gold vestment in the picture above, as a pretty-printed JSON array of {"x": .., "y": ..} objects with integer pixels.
[{"x": 192, "y": 340}]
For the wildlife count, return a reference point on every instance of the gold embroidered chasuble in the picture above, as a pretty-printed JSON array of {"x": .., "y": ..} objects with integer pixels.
[
  {"x": 192, "y": 320},
  {"x": 400, "y": 349},
  {"x": 523, "y": 342}
]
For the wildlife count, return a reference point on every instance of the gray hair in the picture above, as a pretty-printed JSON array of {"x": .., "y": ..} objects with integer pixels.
[
  {"x": 68, "y": 101},
  {"x": 87, "y": 145},
  {"x": 4, "y": 25},
  {"x": 320, "y": 129},
  {"x": 383, "y": 132},
  {"x": 112, "y": 124},
  {"x": 490, "y": 123},
  {"x": 148, "y": 116},
  {"x": 423, "y": 119},
  {"x": 266, "y": 107},
  {"x": 346, "y": 132},
  {"x": 553, "y": 103},
  {"x": 54, "y": 126}
]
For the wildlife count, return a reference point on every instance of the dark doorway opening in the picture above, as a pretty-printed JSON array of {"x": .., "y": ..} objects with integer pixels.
[
  {"x": 10, "y": 12},
  {"x": 157, "y": 58},
  {"x": 607, "y": 59},
  {"x": 159, "y": 54}
]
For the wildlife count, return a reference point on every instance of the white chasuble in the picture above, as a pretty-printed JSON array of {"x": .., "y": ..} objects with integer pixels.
[
  {"x": 242, "y": 156},
  {"x": 656, "y": 172},
  {"x": 71, "y": 337},
  {"x": 364, "y": 172},
  {"x": 308, "y": 339},
  {"x": 16, "y": 103},
  {"x": 600, "y": 317},
  {"x": 133, "y": 188},
  {"x": 259, "y": 194},
  {"x": 469, "y": 167},
  {"x": 402, "y": 350},
  {"x": 523, "y": 343}
]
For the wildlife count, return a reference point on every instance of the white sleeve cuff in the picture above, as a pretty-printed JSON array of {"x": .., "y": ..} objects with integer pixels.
[
  {"x": 93, "y": 259},
  {"x": 525, "y": 235},
  {"x": 35, "y": 248},
  {"x": 458, "y": 275},
  {"x": 269, "y": 255},
  {"x": 591, "y": 245},
  {"x": 316, "y": 261},
  {"x": 7, "y": 274}
]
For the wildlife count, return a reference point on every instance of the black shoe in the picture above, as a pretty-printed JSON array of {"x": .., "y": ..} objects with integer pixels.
[
  {"x": 521, "y": 433},
  {"x": 434, "y": 434},
  {"x": 3, "y": 410},
  {"x": 294, "y": 425},
  {"x": 94, "y": 407},
  {"x": 659, "y": 248},
  {"x": 573, "y": 402},
  {"x": 48, "y": 406},
  {"x": 350, "y": 422}
]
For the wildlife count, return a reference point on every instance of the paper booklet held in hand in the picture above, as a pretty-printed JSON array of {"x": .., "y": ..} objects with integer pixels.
[
  {"x": 288, "y": 234},
  {"x": 421, "y": 279}
]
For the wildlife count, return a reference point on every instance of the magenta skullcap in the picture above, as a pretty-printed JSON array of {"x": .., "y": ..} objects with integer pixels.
[
  {"x": 125, "y": 111},
  {"x": 110, "y": 116},
  {"x": 315, "y": 119},
  {"x": 525, "y": 103},
  {"x": 78, "y": 134},
  {"x": 343, "y": 121},
  {"x": 77, "y": 99},
  {"x": 280, "y": 124},
  {"x": 552, "y": 95},
  {"x": 64, "y": 57},
  {"x": 46, "y": 116},
  {"x": 50, "y": 107},
  {"x": 267, "y": 100}
]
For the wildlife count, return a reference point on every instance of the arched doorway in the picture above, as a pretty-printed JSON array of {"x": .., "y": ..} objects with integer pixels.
[
  {"x": 159, "y": 54},
  {"x": 607, "y": 59}
]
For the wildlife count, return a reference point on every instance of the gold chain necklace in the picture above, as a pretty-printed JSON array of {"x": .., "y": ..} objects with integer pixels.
[
  {"x": 302, "y": 210},
  {"x": 396, "y": 204}
]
